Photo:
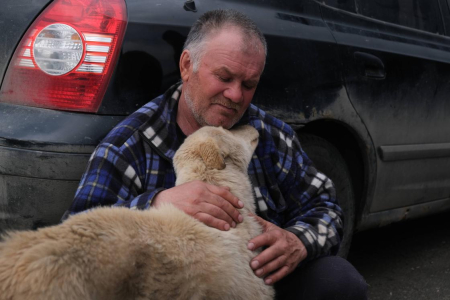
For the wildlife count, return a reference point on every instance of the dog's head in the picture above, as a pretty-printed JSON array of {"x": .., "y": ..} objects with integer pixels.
[{"x": 215, "y": 147}]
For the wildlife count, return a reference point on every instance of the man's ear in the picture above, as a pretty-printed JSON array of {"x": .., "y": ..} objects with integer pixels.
[
  {"x": 211, "y": 154},
  {"x": 186, "y": 65}
]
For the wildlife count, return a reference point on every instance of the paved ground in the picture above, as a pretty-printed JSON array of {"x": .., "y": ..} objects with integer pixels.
[{"x": 410, "y": 260}]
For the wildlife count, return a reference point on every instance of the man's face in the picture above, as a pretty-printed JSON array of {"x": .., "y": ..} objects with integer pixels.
[{"x": 223, "y": 86}]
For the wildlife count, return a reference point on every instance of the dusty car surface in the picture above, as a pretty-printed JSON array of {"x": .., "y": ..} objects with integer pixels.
[{"x": 364, "y": 84}]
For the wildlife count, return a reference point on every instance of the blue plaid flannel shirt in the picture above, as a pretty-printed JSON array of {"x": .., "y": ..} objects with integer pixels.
[{"x": 134, "y": 162}]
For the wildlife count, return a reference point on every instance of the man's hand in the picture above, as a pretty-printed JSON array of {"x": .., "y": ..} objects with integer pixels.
[
  {"x": 212, "y": 205},
  {"x": 283, "y": 253}
]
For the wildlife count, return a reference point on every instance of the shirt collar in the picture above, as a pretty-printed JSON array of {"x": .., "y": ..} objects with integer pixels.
[{"x": 162, "y": 133}]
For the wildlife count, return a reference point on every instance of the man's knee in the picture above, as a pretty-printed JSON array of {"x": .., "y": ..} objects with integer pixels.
[
  {"x": 328, "y": 277},
  {"x": 339, "y": 279}
]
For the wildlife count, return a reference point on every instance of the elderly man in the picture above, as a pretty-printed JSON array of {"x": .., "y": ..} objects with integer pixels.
[{"x": 221, "y": 65}]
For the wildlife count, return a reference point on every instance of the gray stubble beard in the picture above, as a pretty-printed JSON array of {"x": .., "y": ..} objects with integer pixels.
[{"x": 190, "y": 103}]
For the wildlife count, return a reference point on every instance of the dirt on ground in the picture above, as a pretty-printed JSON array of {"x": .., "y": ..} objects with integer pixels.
[{"x": 409, "y": 260}]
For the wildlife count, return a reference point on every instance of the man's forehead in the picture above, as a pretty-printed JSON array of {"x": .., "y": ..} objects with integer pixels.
[
  {"x": 226, "y": 56},
  {"x": 251, "y": 77}
]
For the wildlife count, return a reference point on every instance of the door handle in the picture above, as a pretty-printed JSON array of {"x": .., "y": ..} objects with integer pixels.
[{"x": 373, "y": 65}]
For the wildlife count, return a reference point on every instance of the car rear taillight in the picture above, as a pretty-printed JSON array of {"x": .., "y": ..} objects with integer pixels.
[{"x": 66, "y": 58}]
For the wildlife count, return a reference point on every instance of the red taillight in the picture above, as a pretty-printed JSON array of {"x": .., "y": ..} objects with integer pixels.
[{"x": 67, "y": 57}]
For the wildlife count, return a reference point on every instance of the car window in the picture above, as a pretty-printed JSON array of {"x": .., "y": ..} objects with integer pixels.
[
  {"x": 348, "y": 5},
  {"x": 419, "y": 14}
]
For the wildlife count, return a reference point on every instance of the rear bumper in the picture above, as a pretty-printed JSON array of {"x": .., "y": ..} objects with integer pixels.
[
  {"x": 36, "y": 187},
  {"x": 29, "y": 203},
  {"x": 43, "y": 154}
]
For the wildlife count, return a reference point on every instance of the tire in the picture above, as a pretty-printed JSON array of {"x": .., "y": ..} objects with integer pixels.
[{"x": 328, "y": 160}]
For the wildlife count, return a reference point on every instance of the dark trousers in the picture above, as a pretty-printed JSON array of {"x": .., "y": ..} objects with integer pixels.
[{"x": 329, "y": 278}]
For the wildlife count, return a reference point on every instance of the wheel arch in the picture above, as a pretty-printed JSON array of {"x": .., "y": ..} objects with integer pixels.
[{"x": 351, "y": 148}]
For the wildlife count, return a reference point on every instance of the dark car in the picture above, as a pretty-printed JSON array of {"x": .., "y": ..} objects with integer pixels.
[{"x": 364, "y": 83}]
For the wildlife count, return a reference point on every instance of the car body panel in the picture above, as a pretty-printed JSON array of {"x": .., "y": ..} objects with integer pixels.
[
  {"x": 15, "y": 18},
  {"x": 43, "y": 154},
  {"x": 148, "y": 65},
  {"x": 413, "y": 105},
  {"x": 321, "y": 65}
]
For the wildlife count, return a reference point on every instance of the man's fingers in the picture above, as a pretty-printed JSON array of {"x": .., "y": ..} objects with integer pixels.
[
  {"x": 266, "y": 239},
  {"x": 283, "y": 253},
  {"x": 266, "y": 257},
  {"x": 269, "y": 280},
  {"x": 271, "y": 266},
  {"x": 222, "y": 200},
  {"x": 225, "y": 193},
  {"x": 217, "y": 212},
  {"x": 213, "y": 205},
  {"x": 210, "y": 221}
]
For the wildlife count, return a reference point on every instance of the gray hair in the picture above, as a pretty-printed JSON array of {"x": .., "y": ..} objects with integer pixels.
[{"x": 216, "y": 20}]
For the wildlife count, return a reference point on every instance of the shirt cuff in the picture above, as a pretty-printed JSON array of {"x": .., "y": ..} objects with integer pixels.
[
  {"x": 307, "y": 238},
  {"x": 141, "y": 202}
]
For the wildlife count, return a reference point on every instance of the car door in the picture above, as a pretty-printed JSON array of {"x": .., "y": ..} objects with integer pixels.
[{"x": 396, "y": 61}]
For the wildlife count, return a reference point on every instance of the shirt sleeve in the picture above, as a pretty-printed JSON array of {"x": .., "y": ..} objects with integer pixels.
[
  {"x": 313, "y": 214},
  {"x": 110, "y": 180}
]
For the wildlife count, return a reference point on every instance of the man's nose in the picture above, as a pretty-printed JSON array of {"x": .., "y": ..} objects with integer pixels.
[{"x": 234, "y": 92}]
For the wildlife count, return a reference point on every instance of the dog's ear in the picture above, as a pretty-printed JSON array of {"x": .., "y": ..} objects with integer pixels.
[{"x": 211, "y": 154}]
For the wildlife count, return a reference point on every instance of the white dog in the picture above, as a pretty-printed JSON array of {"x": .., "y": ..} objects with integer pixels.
[{"x": 118, "y": 253}]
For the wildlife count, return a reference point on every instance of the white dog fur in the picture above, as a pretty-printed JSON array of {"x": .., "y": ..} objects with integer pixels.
[{"x": 118, "y": 253}]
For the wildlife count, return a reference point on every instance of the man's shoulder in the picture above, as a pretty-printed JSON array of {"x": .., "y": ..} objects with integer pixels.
[
  {"x": 265, "y": 122},
  {"x": 138, "y": 120}
]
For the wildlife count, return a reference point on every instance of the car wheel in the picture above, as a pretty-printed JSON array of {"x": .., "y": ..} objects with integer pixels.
[{"x": 328, "y": 160}]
